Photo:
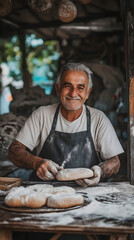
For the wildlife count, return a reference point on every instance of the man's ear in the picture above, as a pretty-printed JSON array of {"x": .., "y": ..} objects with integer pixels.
[
  {"x": 57, "y": 89},
  {"x": 88, "y": 93}
]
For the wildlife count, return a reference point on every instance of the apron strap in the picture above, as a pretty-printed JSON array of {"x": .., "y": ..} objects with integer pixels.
[
  {"x": 55, "y": 118},
  {"x": 88, "y": 120}
]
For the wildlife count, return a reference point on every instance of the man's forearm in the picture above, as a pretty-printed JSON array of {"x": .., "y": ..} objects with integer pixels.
[
  {"x": 19, "y": 155},
  {"x": 110, "y": 166}
]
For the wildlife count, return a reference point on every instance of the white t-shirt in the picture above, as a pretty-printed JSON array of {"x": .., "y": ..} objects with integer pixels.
[{"x": 37, "y": 128}]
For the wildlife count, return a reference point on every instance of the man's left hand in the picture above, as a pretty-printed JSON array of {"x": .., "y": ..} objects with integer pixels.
[{"x": 92, "y": 181}]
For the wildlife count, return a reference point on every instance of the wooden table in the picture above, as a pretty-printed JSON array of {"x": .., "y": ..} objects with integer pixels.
[{"x": 108, "y": 215}]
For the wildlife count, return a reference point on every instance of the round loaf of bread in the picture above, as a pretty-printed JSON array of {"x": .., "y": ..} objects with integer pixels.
[
  {"x": 74, "y": 174},
  {"x": 67, "y": 11},
  {"x": 65, "y": 200}
]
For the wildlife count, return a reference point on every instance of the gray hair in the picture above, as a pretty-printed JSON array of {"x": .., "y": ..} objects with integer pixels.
[{"x": 76, "y": 67}]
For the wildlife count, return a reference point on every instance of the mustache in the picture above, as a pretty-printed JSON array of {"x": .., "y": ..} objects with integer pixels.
[{"x": 73, "y": 98}]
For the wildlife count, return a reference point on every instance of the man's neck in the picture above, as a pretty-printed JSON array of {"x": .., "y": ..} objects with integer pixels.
[{"x": 71, "y": 115}]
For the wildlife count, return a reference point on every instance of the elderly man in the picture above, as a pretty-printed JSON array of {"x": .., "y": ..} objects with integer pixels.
[{"x": 69, "y": 132}]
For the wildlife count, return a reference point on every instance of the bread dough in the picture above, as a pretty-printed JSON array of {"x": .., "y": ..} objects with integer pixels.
[
  {"x": 74, "y": 174},
  {"x": 64, "y": 190},
  {"x": 34, "y": 196},
  {"x": 46, "y": 188},
  {"x": 49, "y": 189},
  {"x": 22, "y": 197},
  {"x": 65, "y": 200}
]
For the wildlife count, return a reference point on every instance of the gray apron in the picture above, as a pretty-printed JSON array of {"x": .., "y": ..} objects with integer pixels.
[{"x": 76, "y": 149}]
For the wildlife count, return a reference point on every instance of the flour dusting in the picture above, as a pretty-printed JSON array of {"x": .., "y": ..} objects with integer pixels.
[{"x": 69, "y": 156}]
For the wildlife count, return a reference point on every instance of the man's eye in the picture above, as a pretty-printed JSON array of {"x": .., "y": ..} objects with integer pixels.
[{"x": 81, "y": 88}]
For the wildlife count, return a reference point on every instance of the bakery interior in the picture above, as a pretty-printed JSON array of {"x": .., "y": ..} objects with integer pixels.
[
  {"x": 96, "y": 37},
  {"x": 35, "y": 42}
]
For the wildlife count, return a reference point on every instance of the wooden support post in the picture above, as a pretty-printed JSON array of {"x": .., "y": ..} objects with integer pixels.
[
  {"x": 118, "y": 237},
  {"x": 23, "y": 61},
  {"x": 5, "y": 235},
  {"x": 131, "y": 116},
  {"x": 129, "y": 34}
]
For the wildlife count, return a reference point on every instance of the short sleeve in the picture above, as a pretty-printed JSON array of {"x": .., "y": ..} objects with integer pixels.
[
  {"x": 107, "y": 141},
  {"x": 29, "y": 134}
]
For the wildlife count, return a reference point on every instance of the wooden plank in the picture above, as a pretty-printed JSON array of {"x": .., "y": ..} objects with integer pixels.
[
  {"x": 5, "y": 235},
  {"x": 7, "y": 183}
]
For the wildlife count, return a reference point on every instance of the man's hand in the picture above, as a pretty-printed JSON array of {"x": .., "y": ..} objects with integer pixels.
[
  {"x": 91, "y": 181},
  {"x": 47, "y": 170}
]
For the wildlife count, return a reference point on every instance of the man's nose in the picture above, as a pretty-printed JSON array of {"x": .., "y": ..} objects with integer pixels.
[{"x": 73, "y": 92}]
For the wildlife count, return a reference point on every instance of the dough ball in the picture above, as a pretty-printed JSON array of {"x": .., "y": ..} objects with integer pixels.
[
  {"x": 24, "y": 197},
  {"x": 64, "y": 190},
  {"x": 64, "y": 201},
  {"x": 35, "y": 200},
  {"x": 14, "y": 201}
]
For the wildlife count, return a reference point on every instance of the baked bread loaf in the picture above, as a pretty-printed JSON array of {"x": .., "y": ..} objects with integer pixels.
[
  {"x": 22, "y": 197},
  {"x": 65, "y": 200},
  {"x": 74, "y": 174},
  {"x": 67, "y": 11}
]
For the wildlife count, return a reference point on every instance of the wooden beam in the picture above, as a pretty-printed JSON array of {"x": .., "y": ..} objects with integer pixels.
[
  {"x": 23, "y": 60},
  {"x": 58, "y": 23}
]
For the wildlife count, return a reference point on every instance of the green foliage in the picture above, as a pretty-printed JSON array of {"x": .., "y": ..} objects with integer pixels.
[{"x": 38, "y": 51}]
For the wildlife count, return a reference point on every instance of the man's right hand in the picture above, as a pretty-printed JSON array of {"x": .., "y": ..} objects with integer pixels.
[{"x": 47, "y": 170}]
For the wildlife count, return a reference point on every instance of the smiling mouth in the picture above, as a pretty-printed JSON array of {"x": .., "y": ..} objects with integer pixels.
[{"x": 73, "y": 99}]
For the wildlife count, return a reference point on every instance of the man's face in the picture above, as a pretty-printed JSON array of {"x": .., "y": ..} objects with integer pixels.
[{"x": 73, "y": 90}]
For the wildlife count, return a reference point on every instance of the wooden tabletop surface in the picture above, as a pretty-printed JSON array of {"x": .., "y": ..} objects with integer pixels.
[{"x": 110, "y": 210}]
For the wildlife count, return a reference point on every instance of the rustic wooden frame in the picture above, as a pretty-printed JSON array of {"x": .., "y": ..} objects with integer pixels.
[{"x": 128, "y": 17}]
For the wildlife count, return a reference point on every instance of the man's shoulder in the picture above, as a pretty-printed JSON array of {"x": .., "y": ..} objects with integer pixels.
[
  {"x": 46, "y": 109},
  {"x": 95, "y": 112}
]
